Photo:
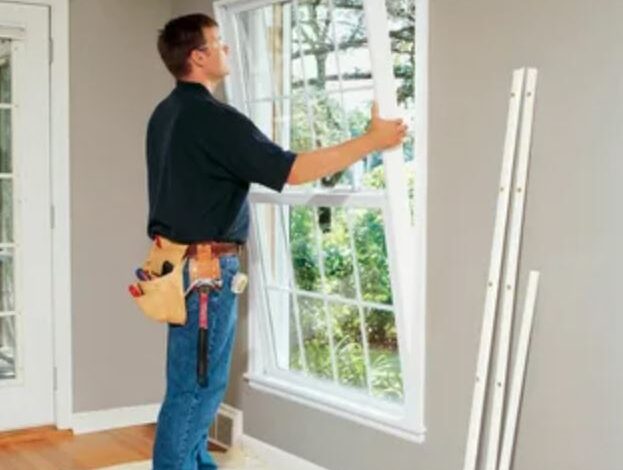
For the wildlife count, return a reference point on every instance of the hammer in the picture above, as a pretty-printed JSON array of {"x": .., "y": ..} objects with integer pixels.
[{"x": 204, "y": 286}]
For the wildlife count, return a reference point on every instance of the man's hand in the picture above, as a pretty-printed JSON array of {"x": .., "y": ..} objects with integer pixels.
[
  {"x": 385, "y": 133},
  {"x": 382, "y": 134}
]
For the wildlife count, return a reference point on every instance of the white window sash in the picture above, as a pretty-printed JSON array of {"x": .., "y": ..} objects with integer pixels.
[{"x": 405, "y": 243}]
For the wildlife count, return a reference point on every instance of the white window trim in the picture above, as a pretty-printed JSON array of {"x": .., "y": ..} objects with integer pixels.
[{"x": 413, "y": 301}]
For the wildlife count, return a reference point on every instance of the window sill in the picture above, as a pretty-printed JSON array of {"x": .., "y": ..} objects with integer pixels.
[{"x": 380, "y": 420}]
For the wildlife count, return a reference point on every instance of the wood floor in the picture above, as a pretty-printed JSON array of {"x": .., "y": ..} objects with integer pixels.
[{"x": 46, "y": 448}]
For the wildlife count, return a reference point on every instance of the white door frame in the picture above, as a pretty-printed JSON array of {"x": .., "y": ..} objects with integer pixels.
[{"x": 61, "y": 241}]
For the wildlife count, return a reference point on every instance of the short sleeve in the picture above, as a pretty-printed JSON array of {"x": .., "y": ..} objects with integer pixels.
[{"x": 235, "y": 142}]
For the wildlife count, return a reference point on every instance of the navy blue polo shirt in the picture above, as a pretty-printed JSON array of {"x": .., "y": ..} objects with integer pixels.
[{"x": 202, "y": 155}]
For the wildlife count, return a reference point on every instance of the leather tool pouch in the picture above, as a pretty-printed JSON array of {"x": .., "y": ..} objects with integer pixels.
[{"x": 163, "y": 296}]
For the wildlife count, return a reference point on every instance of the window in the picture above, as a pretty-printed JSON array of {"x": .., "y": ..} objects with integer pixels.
[
  {"x": 7, "y": 288},
  {"x": 337, "y": 298}
]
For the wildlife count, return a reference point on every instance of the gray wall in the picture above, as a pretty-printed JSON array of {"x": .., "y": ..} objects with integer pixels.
[
  {"x": 116, "y": 79},
  {"x": 572, "y": 417}
]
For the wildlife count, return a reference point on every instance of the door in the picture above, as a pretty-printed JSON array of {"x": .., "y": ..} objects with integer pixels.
[{"x": 26, "y": 351}]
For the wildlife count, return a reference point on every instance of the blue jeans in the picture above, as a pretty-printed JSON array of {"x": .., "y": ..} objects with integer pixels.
[{"x": 189, "y": 408}]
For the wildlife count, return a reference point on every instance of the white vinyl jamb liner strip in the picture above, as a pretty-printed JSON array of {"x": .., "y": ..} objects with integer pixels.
[
  {"x": 240, "y": 64},
  {"x": 269, "y": 58},
  {"x": 519, "y": 370},
  {"x": 244, "y": 40},
  {"x": 400, "y": 246},
  {"x": 495, "y": 268},
  {"x": 510, "y": 274},
  {"x": 267, "y": 328}
]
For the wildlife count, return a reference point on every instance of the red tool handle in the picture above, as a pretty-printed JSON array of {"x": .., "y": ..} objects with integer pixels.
[{"x": 135, "y": 290}]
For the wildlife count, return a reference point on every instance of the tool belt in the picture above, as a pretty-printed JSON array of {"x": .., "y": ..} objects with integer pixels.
[{"x": 160, "y": 291}]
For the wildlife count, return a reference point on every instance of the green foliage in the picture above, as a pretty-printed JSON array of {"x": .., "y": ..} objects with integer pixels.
[{"x": 385, "y": 375}]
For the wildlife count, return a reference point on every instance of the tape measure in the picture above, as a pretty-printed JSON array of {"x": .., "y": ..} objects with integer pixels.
[{"x": 239, "y": 283}]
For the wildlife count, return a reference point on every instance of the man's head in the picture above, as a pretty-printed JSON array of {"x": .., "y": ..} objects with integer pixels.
[{"x": 191, "y": 49}]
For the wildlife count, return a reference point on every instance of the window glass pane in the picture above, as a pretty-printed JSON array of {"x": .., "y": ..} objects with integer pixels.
[
  {"x": 336, "y": 252},
  {"x": 386, "y": 373},
  {"x": 6, "y": 210},
  {"x": 283, "y": 326},
  {"x": 372, "y": 258},
  {"x": 301, "y": 117},
  {"x": 313, "y": 49},
  {"x": 262, "y": 49},
  {"x": 296, "y": 342},
  {"x": 7, "y": 347},
  {"x": 298, "y": 246},
  {"x": 262, "y": 114},
  {"x": 349, "y": 351},
  {"x": 267, "y": 218},
  {"x": 329, "y": 124},
  {"x": 257, "y": 30},
  {"x": 353, "y": 108},
  {"x": 401, "y": 15},
  {"x": 286, "y": 121},
  {"x": 5, "y": 141},
  {"x": 315, "y": 338},
  {"x": 351, "y": 35},
  {"x": 7, "y": 284},
  {"x": 5, "y": 71},
  {"x": 304, "y": 249}
]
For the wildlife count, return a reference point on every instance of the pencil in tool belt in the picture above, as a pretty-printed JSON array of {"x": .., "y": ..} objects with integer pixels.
[{"x": 142, "y": 275}]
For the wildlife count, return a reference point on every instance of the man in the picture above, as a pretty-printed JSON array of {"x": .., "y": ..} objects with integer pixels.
[{"x": 202, "y": 155}]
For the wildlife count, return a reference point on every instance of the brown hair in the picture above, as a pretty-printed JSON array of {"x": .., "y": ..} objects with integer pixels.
[{"x": 179, "y": 37}]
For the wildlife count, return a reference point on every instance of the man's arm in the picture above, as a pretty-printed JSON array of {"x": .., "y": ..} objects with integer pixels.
[{"x": 381, "y": 134}]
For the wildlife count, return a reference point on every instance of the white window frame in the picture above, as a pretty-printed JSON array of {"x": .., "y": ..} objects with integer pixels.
[{"x": 407, "y": 276}]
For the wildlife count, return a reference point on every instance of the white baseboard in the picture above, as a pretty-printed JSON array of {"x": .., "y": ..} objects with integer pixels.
[
  {"x": 101, "y": 420},
  {"x": 275, "y": 458}
]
